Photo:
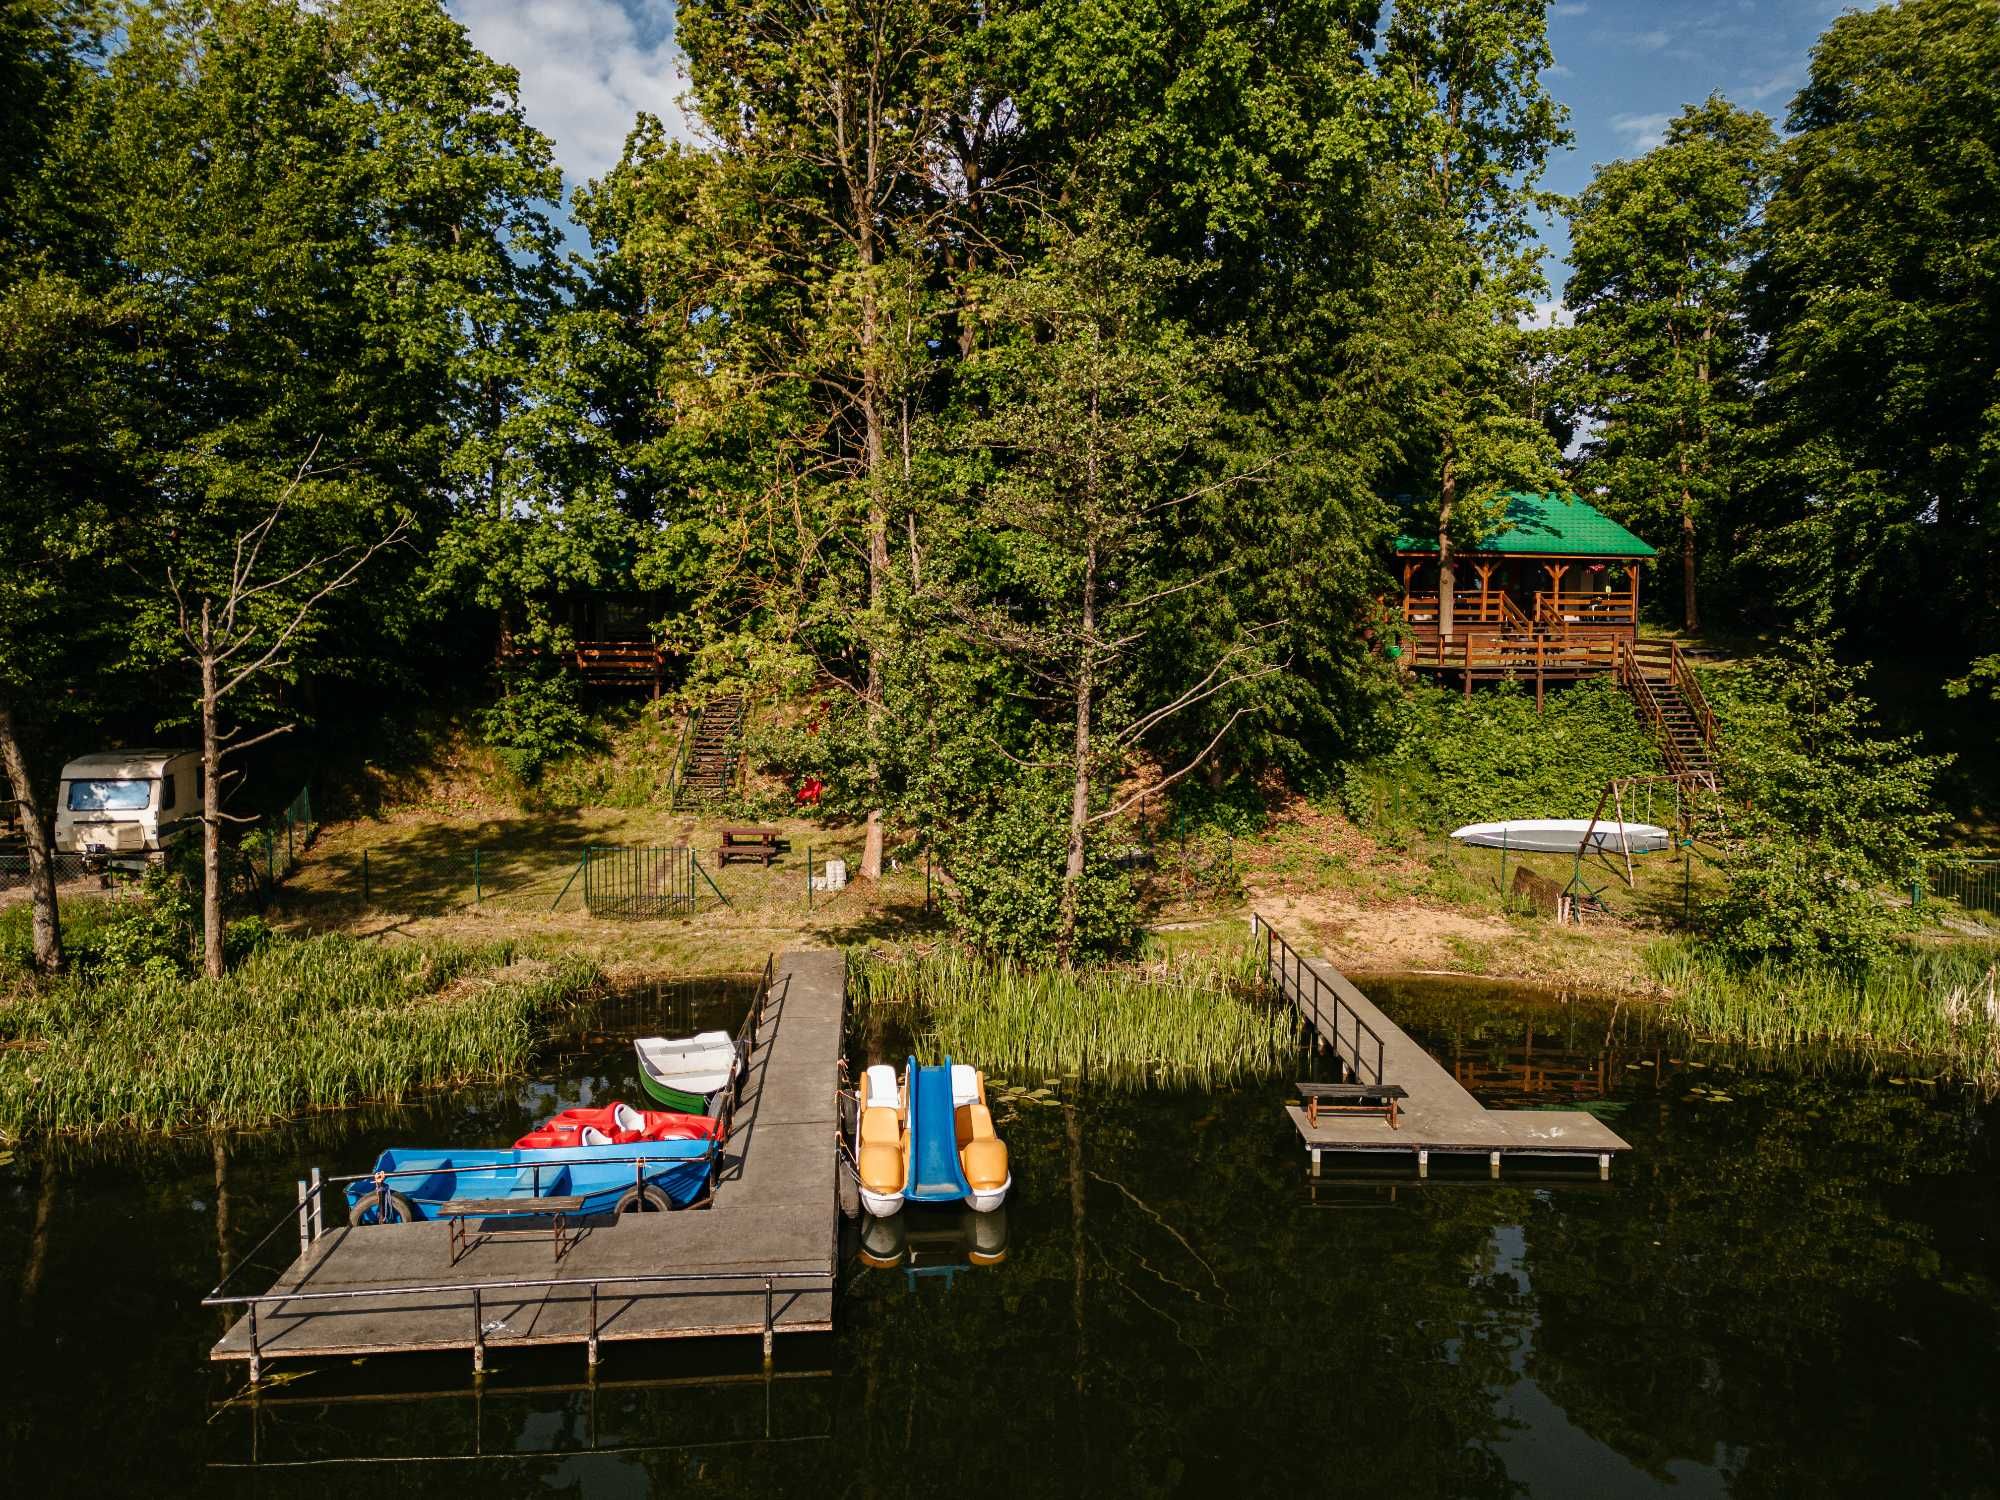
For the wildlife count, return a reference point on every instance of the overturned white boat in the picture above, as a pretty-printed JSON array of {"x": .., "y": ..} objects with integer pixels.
[
  {"x": 685, "y": 1073},
  {"x": 1566, "y": 836}
]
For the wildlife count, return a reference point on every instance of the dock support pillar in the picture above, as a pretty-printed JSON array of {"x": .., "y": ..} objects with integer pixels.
[
  {"x": 591, "y": 1356},
  {"x": 478, "y": 1334},
  {"x": 1604, "y": 1166},
  {"x": 1423, "y": 1163},
  {"x": 256, "y": 1356},
  {"x": 318, "y": 1205},
  {"x": 1493, "y": 1161},
  {"x": 305, "y": 1219},
  {"x": 770, "y": 1331},
  {"x": 1315, "y": 1157}
]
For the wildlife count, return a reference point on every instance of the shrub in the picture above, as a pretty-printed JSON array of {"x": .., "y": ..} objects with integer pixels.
[{"x": 537, "y": 718}]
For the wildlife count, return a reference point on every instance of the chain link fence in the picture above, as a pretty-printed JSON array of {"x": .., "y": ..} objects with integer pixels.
[{"x": 1970, "y": 883}]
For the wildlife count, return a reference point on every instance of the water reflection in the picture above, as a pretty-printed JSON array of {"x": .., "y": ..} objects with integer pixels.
[{"x": 1790, "y": 1286}]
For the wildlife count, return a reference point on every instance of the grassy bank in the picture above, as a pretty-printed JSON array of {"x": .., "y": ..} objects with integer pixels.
[
  {"x": 1937, "y": 1009},
  {"x": 1195, "y": 1023},
  {"x": 317, "y": 1024}
]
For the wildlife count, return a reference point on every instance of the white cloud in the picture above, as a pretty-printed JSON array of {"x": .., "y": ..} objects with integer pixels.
[
  {"x": 1650, "y": 41},
  {"x": 1643, "y": 132},
  {"x": 587, "y": 68},
  {"x": 1555, "y": 70},
  {"x": 1548, "y": 315},
  {"x": 1569, "y": 8},
  {"x": 1784, "y": 81}
]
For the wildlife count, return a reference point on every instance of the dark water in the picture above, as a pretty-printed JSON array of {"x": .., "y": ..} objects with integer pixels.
[{"x": 1790, "y": 1287}]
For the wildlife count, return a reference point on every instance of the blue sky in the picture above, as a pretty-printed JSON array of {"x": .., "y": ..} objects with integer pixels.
[{"x": 1622, "y": 66}]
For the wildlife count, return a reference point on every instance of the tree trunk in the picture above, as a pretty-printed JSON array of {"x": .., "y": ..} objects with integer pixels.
[
  {"x": 41, "y": 855},
  {"x": 211, "y": 810},
  {"x": 1447, "y": 571},
  {"x": 1692, "y": 615},
  {"x": 1079, "y": 801}
]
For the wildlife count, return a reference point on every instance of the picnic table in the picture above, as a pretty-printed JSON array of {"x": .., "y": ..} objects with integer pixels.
[{"x": 746, "y": 845}]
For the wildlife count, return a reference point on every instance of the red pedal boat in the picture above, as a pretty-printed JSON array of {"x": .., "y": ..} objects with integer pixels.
[{"x": 617, "y": 1125}]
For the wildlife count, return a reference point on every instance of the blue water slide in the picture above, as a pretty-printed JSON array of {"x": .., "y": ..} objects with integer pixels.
[{"x": 935, "y": 1175}]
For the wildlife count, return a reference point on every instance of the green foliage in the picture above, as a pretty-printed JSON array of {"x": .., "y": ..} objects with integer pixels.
[
  {"x": 1833, "y": 819},
  {"x": 1659, "y": 358},
  {"x": 1004, "y": 893},
  {"x": 1202, "y": 1026},
  {"x": 536, "y": 719},
  {"x": 323, "y": 1023},
  {"x": 1879, "y": 299},
  {"x": 1453, "y": 762}
]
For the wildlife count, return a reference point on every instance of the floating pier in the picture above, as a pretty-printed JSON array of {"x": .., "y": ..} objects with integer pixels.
[
  {"x": 1435, "y": 1114},
  {"x": 759, "y": 1261}
]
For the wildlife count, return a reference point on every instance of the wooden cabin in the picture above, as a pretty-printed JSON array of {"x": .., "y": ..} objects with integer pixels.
[
  {"x": 615, "y": 645},
  {"x": 1553, "y": 591}
]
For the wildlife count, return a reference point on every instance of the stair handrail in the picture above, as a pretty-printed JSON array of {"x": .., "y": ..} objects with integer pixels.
[
  {"x": 1681, "y": 675},
  {"x": 1512, "y": 614},
  {"x": 1636, "y": 683}
]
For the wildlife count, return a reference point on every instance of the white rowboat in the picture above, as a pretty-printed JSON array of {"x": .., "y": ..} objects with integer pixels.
[{"x": 1566, "y": 836}]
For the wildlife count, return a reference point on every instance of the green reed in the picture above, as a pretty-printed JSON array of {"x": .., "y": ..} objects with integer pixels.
[
  {"x": 322, "y": 1023},
  {"x": 1936, "y": 1006},
  {"x": 1195, "y": 1024}
]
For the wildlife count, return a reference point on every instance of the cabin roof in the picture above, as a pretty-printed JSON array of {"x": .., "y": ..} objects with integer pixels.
[{"x": 1549, "y": 525}]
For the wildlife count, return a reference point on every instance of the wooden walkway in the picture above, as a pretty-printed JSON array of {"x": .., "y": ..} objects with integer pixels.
[
  {"x": 1438, "y": 1114},
  {"x": 758, "y": 1262}
]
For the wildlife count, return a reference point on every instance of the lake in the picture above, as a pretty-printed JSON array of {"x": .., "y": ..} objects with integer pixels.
[{"x": 1789, "y": 1287}]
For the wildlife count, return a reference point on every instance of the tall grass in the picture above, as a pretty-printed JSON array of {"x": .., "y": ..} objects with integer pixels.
[
  {"x": 1934, "y": 1007},
  {"x": 1194, "y": 1024},
  {"x": 316, "y": 1024}
]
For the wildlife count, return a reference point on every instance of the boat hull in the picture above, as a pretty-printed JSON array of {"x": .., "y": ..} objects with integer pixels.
[{"x": 600, "y": 1175}]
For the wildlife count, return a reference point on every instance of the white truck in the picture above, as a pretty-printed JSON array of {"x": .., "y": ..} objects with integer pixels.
[{"x": 127, "y": 806}]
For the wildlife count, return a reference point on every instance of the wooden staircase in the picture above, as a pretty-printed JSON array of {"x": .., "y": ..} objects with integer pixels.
[
  {"x": 1671, "y": 705},
  {"x": 709, "y": 773}
]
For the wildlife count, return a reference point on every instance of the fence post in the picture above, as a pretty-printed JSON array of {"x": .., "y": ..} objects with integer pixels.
[{"x": 809, "y": 877}]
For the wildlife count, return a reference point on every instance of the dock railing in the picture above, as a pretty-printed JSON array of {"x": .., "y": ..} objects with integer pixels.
[{"x": 1358, "y": 1043}]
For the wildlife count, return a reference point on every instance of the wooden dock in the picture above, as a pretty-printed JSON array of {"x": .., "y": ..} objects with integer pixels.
[
  {"x": 1436, "y": 1114},
  {"x": 760, "y": 1261}
]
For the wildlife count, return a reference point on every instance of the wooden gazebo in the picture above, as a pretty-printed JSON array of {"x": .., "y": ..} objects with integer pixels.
[{"x": 1555, "y": 587}]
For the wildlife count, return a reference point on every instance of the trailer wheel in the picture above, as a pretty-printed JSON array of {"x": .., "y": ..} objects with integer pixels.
[
  {"x": 399, "y": 1210},
  {"x": 643, "y": 1200}
]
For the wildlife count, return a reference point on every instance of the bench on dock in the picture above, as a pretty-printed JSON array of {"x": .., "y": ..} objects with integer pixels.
[
  {"x": 1384, "y": 1099},
  {"x": 746, "y": 845},
  {"x": 457, "y": 1211}
]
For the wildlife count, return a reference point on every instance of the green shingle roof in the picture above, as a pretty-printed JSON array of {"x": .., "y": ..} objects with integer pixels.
[{"x": 1549, "y": 525}]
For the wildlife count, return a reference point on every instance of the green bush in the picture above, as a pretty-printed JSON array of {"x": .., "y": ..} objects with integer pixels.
[
  {"x": 537, "y": 718},
  {"x": 1453, "y": 762},
  {"x": 1004, "y": 894}
]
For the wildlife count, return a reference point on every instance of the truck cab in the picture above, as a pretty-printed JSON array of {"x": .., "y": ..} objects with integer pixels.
[{"x": 126, "y": 806}]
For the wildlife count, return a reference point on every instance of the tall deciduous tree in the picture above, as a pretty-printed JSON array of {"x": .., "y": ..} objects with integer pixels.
[
  {"x": 1658, "y": 359},
  {"x": 1458, "y": 263},
  {"x": 1878, "y": 297}
]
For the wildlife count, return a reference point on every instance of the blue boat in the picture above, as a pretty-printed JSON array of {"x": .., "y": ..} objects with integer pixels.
[{"x": 642, "y": 1176}]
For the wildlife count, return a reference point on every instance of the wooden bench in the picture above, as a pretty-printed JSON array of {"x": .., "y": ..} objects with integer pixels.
[
  {"x": 746, "y": 845},
  {"x": 1384, "y": 1099},
  {"x": 456, "y": 1211}
]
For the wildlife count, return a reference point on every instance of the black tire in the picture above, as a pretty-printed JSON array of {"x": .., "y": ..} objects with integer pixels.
[
  {"x": 643, "y": 1200},
  {"x": 399, "y": 1210}
]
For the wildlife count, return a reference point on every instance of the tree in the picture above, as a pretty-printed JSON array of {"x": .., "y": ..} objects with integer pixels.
[
  {"x": 1094, "y": 418},
  {"x": 240, "y": 613},
  {"x": 1877, "y": 296},
  {"x": 1459, "y": 266},
  {"x": 1659, "y": 356},
  {"x": 59, "y": 353},
  {"x": 1835, "y": 819}
]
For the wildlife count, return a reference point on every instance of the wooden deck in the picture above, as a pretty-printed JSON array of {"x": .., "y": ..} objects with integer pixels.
[
  {"x": 1438, "y": 1114},
  {"x": 769, "y": 1240}
]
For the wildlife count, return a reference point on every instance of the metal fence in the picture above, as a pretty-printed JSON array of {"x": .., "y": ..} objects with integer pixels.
[
  {"x": 1972, "y": 884},
  {"x": 270, "y": 852},
  {"x": 14, "y": 869}
]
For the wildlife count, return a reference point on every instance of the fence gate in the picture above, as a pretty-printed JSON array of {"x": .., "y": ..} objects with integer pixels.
[{"x": 641, "y": 882}]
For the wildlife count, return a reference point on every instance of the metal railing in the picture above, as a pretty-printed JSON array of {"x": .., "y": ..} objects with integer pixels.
[{"x": 1317, "y": 1001}]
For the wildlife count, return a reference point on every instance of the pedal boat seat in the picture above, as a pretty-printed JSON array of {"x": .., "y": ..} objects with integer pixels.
[
  {"x": 982, "y": 1155},
  {"x": 880, "y": 1159}
]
